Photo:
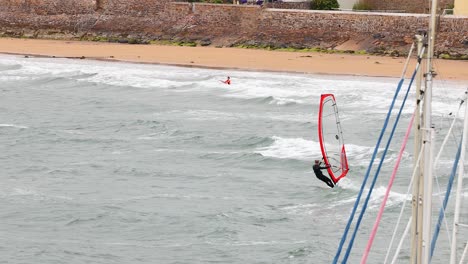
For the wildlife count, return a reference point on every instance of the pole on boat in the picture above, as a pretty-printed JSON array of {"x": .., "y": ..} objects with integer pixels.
[
  {"x": 427, "y": 140},
  {"x": 417, "y": 209}
]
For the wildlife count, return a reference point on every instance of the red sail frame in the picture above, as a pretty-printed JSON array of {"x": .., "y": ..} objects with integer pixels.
[{"x": 344, "y": 167}]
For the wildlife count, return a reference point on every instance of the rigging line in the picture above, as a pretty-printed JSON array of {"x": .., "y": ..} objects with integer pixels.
[
  {"x": 458, "y": 198},
  {"x": 387, "y": 192},
  {"x": 371, "y": 188},
  {"x": 374, "y": 154},
  {"x": 444, "y": 91},
  {"x": 403, "y": 206},
  {"x": 436, "y": 161},
  {"x": 356, "y": 203},
  {"x": 458, "y": 128},
  {"x": 413, "y": 175},
  {"x": 444, "y": 206},
  {"x": 459, "y": 133},
  {"x": 464, "y": 253},
  {"x": 405, "y": 67},
  {"x": 405, "y": 233},
  {"x": 456, "y": 133}
]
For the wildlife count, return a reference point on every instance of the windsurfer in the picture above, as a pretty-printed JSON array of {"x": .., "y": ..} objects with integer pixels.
[
  {"x": 318, "y": 172},
  {"x": 227, "y": 81}
]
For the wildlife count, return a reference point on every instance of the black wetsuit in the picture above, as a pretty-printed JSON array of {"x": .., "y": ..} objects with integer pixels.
[{"x": 319, "y": 174}]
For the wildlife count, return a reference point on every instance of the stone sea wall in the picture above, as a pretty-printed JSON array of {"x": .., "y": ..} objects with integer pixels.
[
  {"x": 48, "y": 7},
  {"x": 142, "y": 21},
  {"x": 287, "y": 5}
]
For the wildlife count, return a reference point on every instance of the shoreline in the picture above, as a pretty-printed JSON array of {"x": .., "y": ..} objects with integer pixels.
[
  {"x": 230, "y": 58},
  {"x": 198, "y": 66}
]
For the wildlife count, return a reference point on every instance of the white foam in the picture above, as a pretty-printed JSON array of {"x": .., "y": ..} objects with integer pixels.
[
  {"x": 351, "y": 92},
  {"x": 291, "y": 148},
  {"x": 35, "y": 195},
  {"x": 347, "y": 184},
  {"x": 302, "y": 149},
  {"x": 376, "y": 197},
  {"x": 12, "y": 125}
]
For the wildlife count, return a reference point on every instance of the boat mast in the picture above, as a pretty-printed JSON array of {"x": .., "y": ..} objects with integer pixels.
[
  {"x": 427, "y": 141},
  {"x": 416, "y": 225}
]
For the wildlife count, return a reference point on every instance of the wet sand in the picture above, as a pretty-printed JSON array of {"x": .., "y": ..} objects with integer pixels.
[{"x": 231, "y": 58}]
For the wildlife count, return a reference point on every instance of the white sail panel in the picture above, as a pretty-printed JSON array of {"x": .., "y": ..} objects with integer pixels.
[{"x": 331, "y": 138}]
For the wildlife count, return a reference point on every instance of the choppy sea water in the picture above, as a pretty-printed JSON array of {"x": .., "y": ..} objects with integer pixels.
[{"x": 127, "y": 163}]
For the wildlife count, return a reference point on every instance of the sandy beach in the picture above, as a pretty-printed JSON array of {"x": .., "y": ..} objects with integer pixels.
[{"x": 231, "y": 58}]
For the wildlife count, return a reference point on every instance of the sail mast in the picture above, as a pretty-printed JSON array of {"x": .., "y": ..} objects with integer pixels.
[
  {"x": 431, "y": 42},
  {"x": 417, "y": 209},
  {"x": 427, "y": 141}
]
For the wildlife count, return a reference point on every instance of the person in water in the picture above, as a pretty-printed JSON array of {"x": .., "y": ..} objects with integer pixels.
[
  {"x": 228, "y": 80},
  {"x": 318, "y": 172}
]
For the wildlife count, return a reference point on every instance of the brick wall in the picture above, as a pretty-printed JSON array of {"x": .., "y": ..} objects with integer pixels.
[
  {"x": 224, "y": 25},
  {"x": 288, "y": 5},
  {"x": 132, "y": 7},
  {"x": 48, "y": 7}
]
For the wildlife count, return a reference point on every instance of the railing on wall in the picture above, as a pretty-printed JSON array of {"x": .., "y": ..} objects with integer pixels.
[
  {"x": 447, "y": 12},
  {"x": 374, "y": 11},
  {"x": 291, "y": 4}
]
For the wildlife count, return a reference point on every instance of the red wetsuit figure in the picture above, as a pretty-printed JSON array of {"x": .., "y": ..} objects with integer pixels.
[{"x": 228, "y": 81}]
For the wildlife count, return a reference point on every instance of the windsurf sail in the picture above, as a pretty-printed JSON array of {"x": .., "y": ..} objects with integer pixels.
[{"x": 331, "y": 138}]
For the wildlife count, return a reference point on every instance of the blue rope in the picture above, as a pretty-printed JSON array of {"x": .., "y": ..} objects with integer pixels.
[
  {"x": 446, "y": 198},
  {"x": 348, "y": 251},
  {"x": 353, "y": 212}
]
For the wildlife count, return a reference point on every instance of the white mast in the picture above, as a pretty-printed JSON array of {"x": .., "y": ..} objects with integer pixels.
[
  {"x": 427, "y": 140},
  {"x": 416, "y": 198}
]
